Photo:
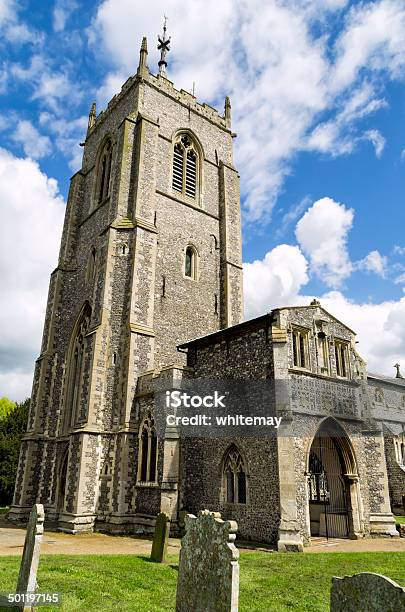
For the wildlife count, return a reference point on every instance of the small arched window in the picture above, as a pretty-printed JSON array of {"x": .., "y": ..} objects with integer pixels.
[
  {"x": 75, "y": 371},
  {"x": 104, "y": 172},
  {"x": 190, "y": 263},
  {"x": 234, "y": 477},
  {"x": 185, "y": 167},
  {"x": 147, "y": 453}
]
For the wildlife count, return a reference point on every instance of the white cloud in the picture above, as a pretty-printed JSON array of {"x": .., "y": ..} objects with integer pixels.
[
  {"x": 374, "y": 262},
  {"x": 380, "y": 329},
  {"x": 377, "y": 140},
  {"x": 51, "y": 86},
  {"x": 278, "y": 280},
  {"x": 12, "y": 29},
  {"x": 322, "y": 234},
  {"x": 374, "y": 38},
  {"x": 275, "y": 280},
  {"x": 282, "y": 78},
  {"x": 34, "y": 145},
  {"x": 111, "y": 85},
  {"x": 67, "y": 135},
  {"x": 292, "y": 215},
  {"x": 29, "y": 201},
  {"x": 338, "y": 136},
  {"x": 61, "y": 13}
]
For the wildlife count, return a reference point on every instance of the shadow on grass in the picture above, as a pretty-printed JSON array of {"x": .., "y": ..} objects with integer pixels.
[{"x": 166, "y": 563}]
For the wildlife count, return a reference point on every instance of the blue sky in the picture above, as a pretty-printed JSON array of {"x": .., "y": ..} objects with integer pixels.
[{"x": 317, "y": 92}]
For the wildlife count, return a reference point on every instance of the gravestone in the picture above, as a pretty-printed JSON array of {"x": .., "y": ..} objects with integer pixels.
[
  {"x": 366, "y": 591},
  {"x": 209, "y": 569},
  {"x": 27, "y": 579},
  {"x": 160, "y": 538}
]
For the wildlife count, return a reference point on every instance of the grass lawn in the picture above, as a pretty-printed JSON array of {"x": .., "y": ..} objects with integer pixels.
[
  {"x": 269, "y": 581},
  {"x": 400, "y": 520},
  {"x": 4, "y": 509}
]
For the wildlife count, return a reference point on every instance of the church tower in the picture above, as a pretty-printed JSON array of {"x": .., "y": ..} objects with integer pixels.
[{"x": 150, "y": 258}]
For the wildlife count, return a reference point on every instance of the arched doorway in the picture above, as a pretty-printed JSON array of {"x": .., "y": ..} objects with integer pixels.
[{"x": 332, "y": 482}]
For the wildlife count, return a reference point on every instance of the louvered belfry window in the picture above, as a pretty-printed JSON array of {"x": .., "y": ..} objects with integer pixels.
[{"x": 185, "y": 167}]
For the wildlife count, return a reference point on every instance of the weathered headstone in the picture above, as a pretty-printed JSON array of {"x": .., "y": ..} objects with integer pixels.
[
  {"x": 160, "y": 538},
  {"x": 366, "y": 591},
  {"x": 209, "y": 568},
  {"x": 27, "y": 579}
]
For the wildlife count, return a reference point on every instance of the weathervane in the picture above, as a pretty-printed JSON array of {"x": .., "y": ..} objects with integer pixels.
[{"x": 164, "y": 48}]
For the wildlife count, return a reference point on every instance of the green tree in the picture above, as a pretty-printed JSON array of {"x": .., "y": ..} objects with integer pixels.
[
  {"x": 12, "y": 428},
  {"x": 6, "y": 406}
]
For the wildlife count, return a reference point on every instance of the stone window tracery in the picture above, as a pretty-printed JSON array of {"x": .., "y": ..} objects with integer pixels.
[
  {"x": 185, "y": 167},
  {"x": 104, "y": 173},
  {"x": 300, "y": 348},
  {"x": 342, "y": 360},
  {"x": 76, "y": 370},
  {"x": 234, "y": 475},
  {"x": 147, "y": 454}
]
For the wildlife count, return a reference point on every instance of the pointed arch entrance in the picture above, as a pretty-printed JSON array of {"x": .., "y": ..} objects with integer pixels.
[{"x": 332, "y": 484}]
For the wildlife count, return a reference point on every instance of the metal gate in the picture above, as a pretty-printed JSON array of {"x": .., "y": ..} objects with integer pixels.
[{"x": 327, "y": 489}]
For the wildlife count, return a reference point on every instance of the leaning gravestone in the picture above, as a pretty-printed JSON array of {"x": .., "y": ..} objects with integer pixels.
[
  {"x": 366, "y": 591},
  {"x": 160, "y": 538},
  {"x": 27, "y": 579},
  {"x": 208, "y": 569}
]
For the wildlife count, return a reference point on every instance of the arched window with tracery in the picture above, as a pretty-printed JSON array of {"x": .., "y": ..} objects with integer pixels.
[
  {"x": 76, "y": 369},
  {"x": 234, "y": 477},
  {"x": 104, "y": 172},
  {"x": 185, "y": 178},
  {"x": 190, "y": 263},
  {"x": 147, "y": 454}
]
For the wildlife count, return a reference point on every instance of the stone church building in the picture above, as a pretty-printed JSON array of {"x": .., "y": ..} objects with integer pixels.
[{"x": 147, "y": 292}]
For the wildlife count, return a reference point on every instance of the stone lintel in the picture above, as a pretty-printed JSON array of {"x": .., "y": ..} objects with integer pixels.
[{"x": 143, "y": 330}]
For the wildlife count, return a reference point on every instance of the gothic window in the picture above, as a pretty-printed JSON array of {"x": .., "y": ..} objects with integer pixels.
[
  {"x": 190, "y": 263},
  {"x": 185, "y": 167},
  {"x": 75, "y": 371},
  {"x": 104, "y": 173},
  {"x": 341, "y": 358},
  {"x": 300, "y": 348},
  {"x": 234, "y": 477},
  {"x": 317, "y": 483},
  {"x": 147, "y": 456}
]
